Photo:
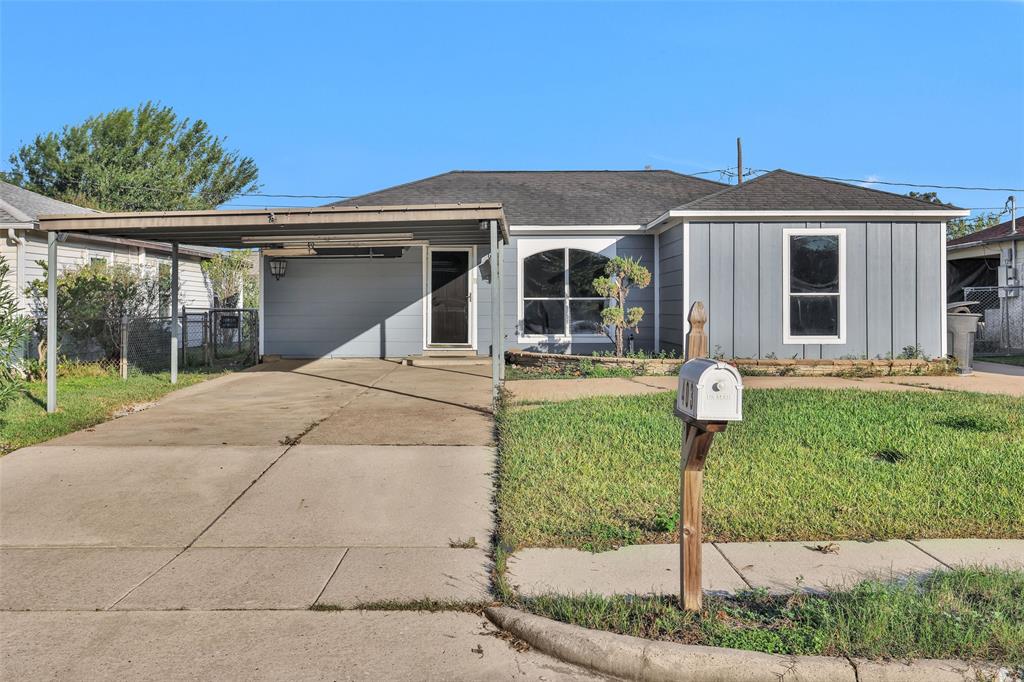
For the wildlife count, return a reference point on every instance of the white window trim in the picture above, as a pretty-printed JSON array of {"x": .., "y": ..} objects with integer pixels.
[
  {"x": 787, "y": 337},
  {"x": 528, "y": 247},
  {"x": 474, "y": 268}
]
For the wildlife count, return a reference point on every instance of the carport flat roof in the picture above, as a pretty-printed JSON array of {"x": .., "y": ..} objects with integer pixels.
[{"x": 227, "y": 227}]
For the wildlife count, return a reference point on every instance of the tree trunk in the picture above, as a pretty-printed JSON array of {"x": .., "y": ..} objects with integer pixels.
[{"x": 620, "y": 328}]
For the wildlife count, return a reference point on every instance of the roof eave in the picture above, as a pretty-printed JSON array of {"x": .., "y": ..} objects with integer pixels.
[{"x": 903, "y": 213}]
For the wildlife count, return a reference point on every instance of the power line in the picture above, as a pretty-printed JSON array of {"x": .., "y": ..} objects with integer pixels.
[{"x": 914, "y": 184}]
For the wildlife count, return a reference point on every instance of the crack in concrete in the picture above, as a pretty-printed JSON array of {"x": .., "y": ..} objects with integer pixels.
[{"x": 292, "y": 442}]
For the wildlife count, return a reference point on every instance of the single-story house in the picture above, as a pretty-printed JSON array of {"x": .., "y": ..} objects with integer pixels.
[
  {"x": 787, "y": 265},
  {"x": 989, "y": 264},
  {"x": 987, "y": 258},
  {"x": 23, "y": 245}
]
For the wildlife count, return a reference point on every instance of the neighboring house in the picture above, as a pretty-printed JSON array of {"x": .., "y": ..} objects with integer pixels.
[
  {"x": 23, "y": 244},
  {"x": 986, "y": 258},
  {"x": 787, "y": 265},
  {"x": 991, "y": 258}
]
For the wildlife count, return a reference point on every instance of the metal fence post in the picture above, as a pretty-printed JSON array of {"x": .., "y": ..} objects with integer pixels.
[
  {"x": 184, "y": 338},
  {"x": 124, "y": 347}
]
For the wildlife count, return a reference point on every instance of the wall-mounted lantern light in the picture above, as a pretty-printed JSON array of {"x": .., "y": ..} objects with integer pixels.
[{"x": 278, "y": 266}]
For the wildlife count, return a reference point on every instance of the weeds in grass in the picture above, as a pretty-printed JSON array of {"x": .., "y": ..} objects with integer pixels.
[
  {"x": 965, "y": 613},
  {"x": 459, "y": 543}
]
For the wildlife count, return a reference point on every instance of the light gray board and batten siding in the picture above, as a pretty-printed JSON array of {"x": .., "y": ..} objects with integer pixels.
[
  {"x": 893, "y": 288},
  {"x": 634, "y": 246}
]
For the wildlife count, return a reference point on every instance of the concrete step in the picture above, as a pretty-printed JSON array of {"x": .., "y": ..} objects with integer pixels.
[{"x": 448, "y": 360}]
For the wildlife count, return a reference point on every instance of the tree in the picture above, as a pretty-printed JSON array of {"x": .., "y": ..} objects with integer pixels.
[
  {"x": 143, "y": 159},
  {"x": 930, "y": 197},
  {"x": 230, "y": 273},
  {"x": 959, "y": 227},
  {"x": 622, "y": 275},
  {"x": 94, "y": 297},
  {"x": 14, "y": 329}
]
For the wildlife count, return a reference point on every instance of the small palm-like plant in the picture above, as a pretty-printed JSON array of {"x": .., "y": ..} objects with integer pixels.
[{"x": 621, "y": 275}]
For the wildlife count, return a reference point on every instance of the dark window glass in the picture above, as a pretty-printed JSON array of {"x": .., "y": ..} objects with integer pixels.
[
  {"x": 544, "y": 317},
  {"x": 585, "y": 317},
  {"x": 544, "y": 274},
  {"x": 814, "y": 315},
  {"x": 814, "y": 264},
  {"x": 584, "y": 268}
]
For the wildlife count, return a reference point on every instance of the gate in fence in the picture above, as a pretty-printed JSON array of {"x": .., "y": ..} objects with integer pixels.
[
  {"x": 217, "y": 338},
  {"x": 220, "y": 337},
  {"x": 1002, "y": 310}
]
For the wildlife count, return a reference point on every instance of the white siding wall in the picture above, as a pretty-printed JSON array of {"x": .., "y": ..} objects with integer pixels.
[{"x": 195, "y": 290}]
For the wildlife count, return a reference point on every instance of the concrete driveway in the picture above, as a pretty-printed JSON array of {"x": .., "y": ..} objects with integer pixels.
[{"x": 335, "y": 483}]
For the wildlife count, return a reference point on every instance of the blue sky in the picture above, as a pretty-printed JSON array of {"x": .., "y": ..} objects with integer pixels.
[{"x": 333, "y": 98}]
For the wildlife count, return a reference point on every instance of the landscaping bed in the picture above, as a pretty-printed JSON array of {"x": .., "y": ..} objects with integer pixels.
[
  {"x": 530, "y": 365},
  {"x": 87, "y": 394},
  {"x": 967, "y": 614},
  {"x": 804, "y": 464}
]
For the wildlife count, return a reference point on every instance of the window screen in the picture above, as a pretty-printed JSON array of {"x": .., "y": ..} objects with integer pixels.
[
  {"x": 814, "y": 285},
  {"x": 558, "y": 293}
]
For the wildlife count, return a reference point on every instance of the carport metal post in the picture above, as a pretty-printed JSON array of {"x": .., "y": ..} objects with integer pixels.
[
  {"x": 51, "y": 322},
  {"x": 496, "y": 354},
  {"x": 501, "y": 308},
  {"x": 174, "y": 313}
]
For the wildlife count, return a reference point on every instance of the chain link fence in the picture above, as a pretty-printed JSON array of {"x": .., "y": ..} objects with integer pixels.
[
  {"x": 219, "y": 339},
  {"x": 1002, "y": 311}
]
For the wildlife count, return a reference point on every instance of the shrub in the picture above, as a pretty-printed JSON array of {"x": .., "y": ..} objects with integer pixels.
[
  {"x": 93, "y": 298},
  {"x": 14, "y": 329}
]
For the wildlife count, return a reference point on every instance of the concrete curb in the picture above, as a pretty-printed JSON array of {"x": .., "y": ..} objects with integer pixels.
[{"x": 634, "y": 658}]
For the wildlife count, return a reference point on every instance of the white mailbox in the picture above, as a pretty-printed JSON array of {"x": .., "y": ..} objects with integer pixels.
[{"x": 709, "y": 391}]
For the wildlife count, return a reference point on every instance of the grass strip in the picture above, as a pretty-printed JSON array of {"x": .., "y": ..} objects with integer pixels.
[
  {"x": 84, "y": 399},
  {"x": 969, "y": 614}
]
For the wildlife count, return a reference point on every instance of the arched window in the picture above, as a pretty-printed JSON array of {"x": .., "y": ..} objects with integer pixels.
[{"x": 558, "y": 293}]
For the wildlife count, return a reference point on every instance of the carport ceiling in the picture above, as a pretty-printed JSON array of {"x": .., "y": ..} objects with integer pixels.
[{"x": 227, "y": 228}]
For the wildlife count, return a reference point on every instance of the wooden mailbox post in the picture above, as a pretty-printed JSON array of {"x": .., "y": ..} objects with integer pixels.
[{"x": 710, "y": 396}]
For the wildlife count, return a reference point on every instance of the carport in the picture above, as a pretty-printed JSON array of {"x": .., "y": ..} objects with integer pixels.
[{"x": 292, "y": 233}]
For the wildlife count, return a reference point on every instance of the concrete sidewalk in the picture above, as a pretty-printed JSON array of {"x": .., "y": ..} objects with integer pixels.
[
  {"x": 779, "y": 567},
  {"x": 266, "y": 645},
  {"x": 989, "y": 378}
]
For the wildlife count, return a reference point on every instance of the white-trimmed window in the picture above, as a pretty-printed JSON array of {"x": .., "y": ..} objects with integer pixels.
[
  {"x": 557, "y": 292},
  {"x": 814, "y": 286}
]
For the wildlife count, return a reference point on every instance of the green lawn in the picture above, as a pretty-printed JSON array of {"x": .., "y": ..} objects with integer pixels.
[
  {"x": 803, "y": 465},
  {"x": 83, "y": 400},
  {"x": 963, "y": 614},
  {"x": 1004, "y": 359}
]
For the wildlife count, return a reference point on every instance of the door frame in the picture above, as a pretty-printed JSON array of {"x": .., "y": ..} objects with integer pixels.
[{"x": 428, "y": 294}]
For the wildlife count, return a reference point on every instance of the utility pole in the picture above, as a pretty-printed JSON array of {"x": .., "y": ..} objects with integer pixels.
[
  {"x": 739, "y": 161},
  {"x": 1013, "y": 214}
]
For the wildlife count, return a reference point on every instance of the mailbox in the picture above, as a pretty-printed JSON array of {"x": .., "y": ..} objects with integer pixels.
[{"x": 709, "y": 391}]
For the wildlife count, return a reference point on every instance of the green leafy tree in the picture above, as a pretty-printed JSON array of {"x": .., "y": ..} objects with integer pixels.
[
  {"x": 959, "y": 227},
  {"x": 93, "y": 298},
  {"x": 621, "y": 276},
  {"x": 14, "y": 330},
  {"x": 142, "y": 159},
  {"x": 231, "y": 273}
]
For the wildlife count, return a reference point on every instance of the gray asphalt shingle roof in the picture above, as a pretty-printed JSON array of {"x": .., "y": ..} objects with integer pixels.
[
  {"x": 553, "y": 197},
  {"x": 781, "y": 190},
  {"x": 34, "y": 205}
]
